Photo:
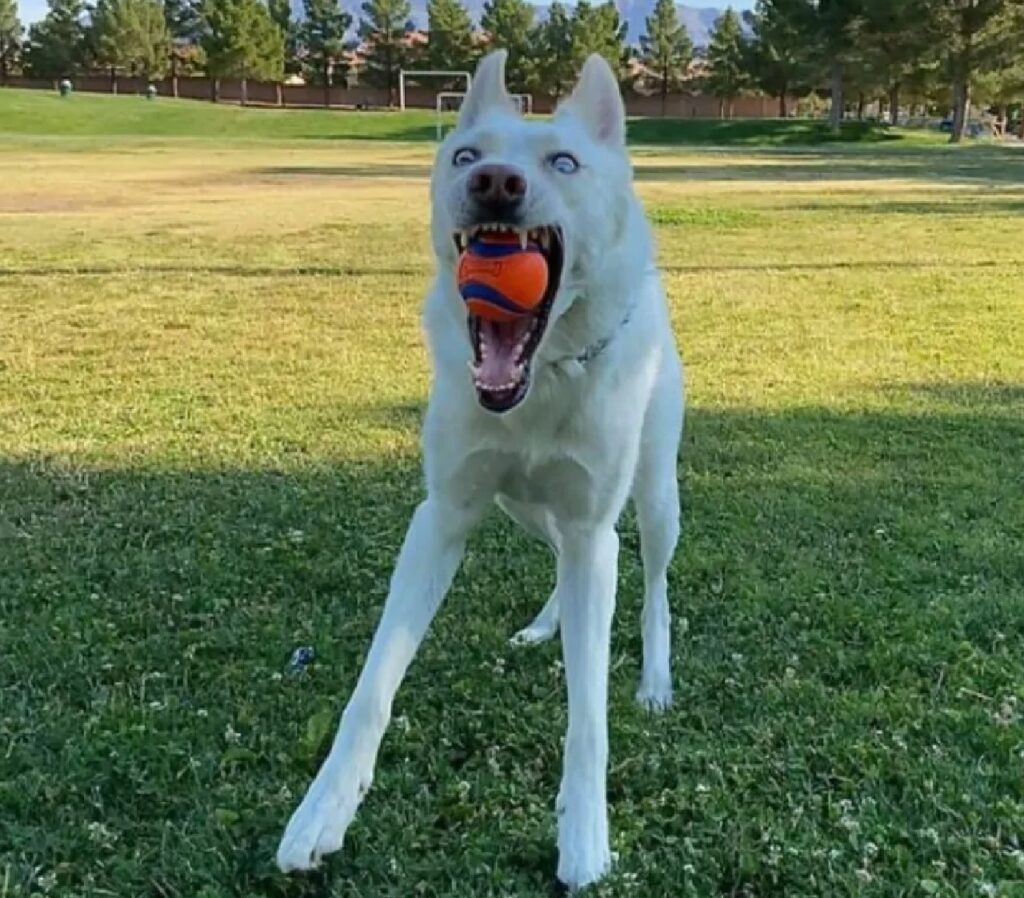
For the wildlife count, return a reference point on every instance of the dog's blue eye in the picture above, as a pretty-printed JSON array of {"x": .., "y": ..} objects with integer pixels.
[
  {"x": 465, "y": 156},
  {"x": 565, "y": 163}
]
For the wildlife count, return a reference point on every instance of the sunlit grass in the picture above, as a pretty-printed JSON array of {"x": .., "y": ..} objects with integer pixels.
[{"x": 211, "y": 375}]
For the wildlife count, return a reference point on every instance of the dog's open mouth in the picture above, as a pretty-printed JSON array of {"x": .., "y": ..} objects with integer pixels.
[{"x": 503, "y": 350}]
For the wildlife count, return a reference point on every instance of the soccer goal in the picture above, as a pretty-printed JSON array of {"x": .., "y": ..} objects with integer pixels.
[
  {"x": 414, "y": 75},
  {"x": 448, "y": 101}
]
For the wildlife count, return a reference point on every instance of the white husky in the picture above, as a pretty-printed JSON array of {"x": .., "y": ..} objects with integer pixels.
[{"x": 558, "y": 419}]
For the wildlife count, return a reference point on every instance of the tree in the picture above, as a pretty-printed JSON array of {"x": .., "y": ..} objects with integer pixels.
[
  {"x": 56, "y": 45},
  {"x": 184, "y": 28},
  {"x": 130, "y": 36},
  {"x": 322, "y": 36},
  {"x": 896, "y": 37},
  {"x": 509, "y": 24},
  {"x": 666, "y": 48},
  {"x": 281, "y": 14},
  {"x": 10, "y": 37},
  {"x": 831, "y": 27},
  {"x": 599, "y": 29},
  {"x": 555, "y": 68},
  {"x": 450, "y": 44},
  {"x": 776, "y": 57},
  {"x": 385, "y": 30},
  {"x": 726, "y": 59},
  {"x": 241, "y": 41},
  {"x": 976, "y": 40}
]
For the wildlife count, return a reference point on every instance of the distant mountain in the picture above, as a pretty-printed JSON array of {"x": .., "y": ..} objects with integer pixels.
[{"x": 699, "y": 20}]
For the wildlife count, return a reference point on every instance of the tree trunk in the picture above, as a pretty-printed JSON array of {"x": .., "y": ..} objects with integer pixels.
[
  {"x": 664, "y": 92},
  {"x": 894, "y": 103},
  {"x": 721, "y": 108},
  {"x": 174, "y": 74},
  {"x": 861, "y": 102},
  {"x": 214, "y": 90},
  {"x": 327, "y": 84},
  {"x": 3, "y": 65},
  {"x": 835, "y": 115},
  {"x": 279, "y": 90},
  {"x": 960, "y": 97},
  {"x": 783, "y": 106},
  {"x": 245, "y": 91},
  {"x": 113, "y": 80}
]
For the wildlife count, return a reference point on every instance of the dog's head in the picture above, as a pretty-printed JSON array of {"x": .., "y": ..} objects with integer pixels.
[{"x": 563, "y": 183}]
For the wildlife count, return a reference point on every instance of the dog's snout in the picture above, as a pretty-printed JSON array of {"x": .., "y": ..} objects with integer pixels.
[{"x": 497, "y": 186}]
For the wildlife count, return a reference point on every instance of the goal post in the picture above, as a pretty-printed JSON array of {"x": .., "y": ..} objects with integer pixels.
[
  {"x": 451, "y": 101},
  {"x": 416, "y": 75}
]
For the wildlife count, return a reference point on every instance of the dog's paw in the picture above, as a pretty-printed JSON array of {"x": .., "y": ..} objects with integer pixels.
[
  {"x": 536, "y": 633},
  {"x": 583, "y": 853},
  {"x": 317, "y": 828},
  {"x": 654, "y": 699}
]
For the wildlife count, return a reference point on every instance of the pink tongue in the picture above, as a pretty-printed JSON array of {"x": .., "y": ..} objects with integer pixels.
[{"x": 499, "y": 350}]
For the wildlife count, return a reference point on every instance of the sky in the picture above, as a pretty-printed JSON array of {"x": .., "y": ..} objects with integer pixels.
[{"x": 30, "y": 11}]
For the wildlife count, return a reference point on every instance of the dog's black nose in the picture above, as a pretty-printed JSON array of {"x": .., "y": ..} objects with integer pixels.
[{"x": 501, "y": 188}]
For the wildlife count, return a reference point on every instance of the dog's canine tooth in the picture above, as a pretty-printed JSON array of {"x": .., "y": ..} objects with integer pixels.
[
  {"x": 545, "y": 239},
  {"x": 523, "y": 237}
]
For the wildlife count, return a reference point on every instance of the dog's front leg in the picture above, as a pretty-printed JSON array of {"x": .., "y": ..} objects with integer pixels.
[
  {"x": 426, "y": 565},
  {"x": 587, "y": 570}
]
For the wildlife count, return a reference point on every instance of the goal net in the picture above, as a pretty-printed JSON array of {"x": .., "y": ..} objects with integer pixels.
[{"x": 449, "y": 102}]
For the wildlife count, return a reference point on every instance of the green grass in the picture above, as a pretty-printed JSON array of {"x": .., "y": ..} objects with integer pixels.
[
  {"x": 211, "y": 378},
  {"x": 42, "y": 113}
]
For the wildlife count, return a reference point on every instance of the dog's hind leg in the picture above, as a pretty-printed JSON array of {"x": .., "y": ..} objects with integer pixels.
[
  {"x": 535, "y": 521},
  {"x": 656, "y": 495}
]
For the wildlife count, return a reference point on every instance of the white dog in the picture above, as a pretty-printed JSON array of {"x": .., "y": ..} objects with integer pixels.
[{"x": 558, "y": 419}]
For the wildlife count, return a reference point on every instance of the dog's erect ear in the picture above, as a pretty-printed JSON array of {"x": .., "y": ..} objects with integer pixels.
[
  {"x": 487, "y": 92},
  {"x": 597, "y": 103}
]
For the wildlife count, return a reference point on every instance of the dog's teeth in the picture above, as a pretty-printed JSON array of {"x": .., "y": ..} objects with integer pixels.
[
  {"x": 523, "y": 238},
  {"x": 545, "y": 239}
]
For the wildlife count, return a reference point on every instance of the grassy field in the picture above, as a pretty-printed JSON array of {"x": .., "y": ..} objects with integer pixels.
[
  {"x": 211, "y": 377},
  {"x": 44, "y": 114}
]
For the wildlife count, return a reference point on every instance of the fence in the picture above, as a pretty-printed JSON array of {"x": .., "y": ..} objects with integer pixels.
[{"x": 269, "y": 93}]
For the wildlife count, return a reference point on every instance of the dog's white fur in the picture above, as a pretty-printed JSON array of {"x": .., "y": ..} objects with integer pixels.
[{"x": 563, "y": 463}]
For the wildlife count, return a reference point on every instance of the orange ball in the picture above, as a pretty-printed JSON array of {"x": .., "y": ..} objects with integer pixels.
[{"x": 499, "y": 280}]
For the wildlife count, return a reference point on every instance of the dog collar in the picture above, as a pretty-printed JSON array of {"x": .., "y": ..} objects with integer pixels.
[{"x": 595, "y": 349}]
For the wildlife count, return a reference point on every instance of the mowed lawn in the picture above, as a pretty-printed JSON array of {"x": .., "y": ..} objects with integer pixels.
[{"x": 211, "y": 380}]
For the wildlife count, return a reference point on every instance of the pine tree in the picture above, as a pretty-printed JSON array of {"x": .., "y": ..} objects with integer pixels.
[
  {"x": 726, "y": 59},
  {"x": 281, "y": 15},
  {"x": 666, "y": 48},
  {"x": 130, "y": 36},
  {"x": 241, "y": 41},
  {"x": 56, "y": 45},
  {"x": 831, "y": 32},
  {"x": 450, "y": 44},
  {"x": 976, "y": 35},
  {"x": 10, "y": 37},
  {"x": 599, "y": 29},
  {"x": 184, "y": 27},
  {"x": 509, "y": 24},
  {"x": 555, "y": 65},
  {"x": 322, "y": 36},
  {"x": 385, "y": 28},
  {"x": 896, "y": 43},
  {"x": 777, "y": 57}
]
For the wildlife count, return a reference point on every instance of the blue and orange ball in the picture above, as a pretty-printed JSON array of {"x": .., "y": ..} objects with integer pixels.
[{"x": 499, "y": 280}]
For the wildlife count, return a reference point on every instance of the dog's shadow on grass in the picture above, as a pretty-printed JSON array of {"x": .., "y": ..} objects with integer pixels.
[{"x": 149, "y": 616}]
